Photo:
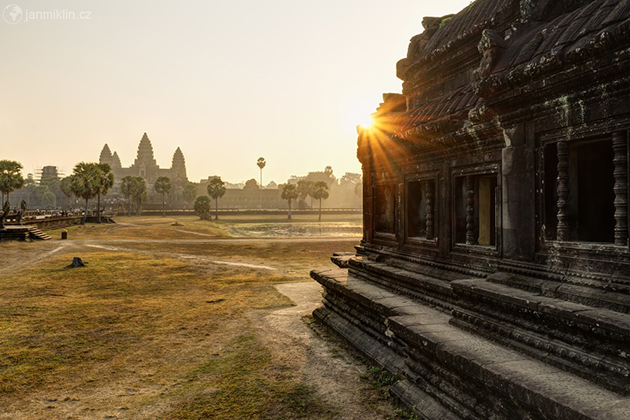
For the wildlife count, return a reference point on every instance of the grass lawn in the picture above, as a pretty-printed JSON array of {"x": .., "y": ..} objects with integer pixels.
[{"x": 159, "y": 329}]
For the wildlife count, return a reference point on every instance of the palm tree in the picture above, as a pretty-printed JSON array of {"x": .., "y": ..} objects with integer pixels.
[
  {"x": 202, "y": 207},
  {"x": 10, "y": 177},
  {"x": 190, "y": 192},
  {"x": 65, "y": 186},
  {"x": 261, "y": 164},
  {"x": 104, "y": 181},
  {"x": 305, "y": 189},
  {"x": 128, "y": 186},
  {"x": 320, "y": 191},
  {"x": 140, "y": 193},
  {"x": 83, "y": 183},
  {"x": 216, "y": 189},
  {"x": 289, "y": 193},
  {"x": 163, "y": 186}
]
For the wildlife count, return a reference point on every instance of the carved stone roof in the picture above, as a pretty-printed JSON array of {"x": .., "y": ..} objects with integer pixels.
[
  {"x": 441, "y": 113},
  {"x": 459, "y": 63},
  {"x": 469, "y": 22},
  {"x": 545, "y": 47}
]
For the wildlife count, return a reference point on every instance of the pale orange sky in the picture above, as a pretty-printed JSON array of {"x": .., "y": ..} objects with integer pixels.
[{"x": 227, "y": 81}]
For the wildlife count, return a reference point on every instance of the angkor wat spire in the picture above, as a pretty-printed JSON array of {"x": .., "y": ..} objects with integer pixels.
[
  {"x": 106, "y": 155},
  {"x": 178, "y": 166},
  {"x": 116, "y": 161},
  {"x": 145, "y": 153}
]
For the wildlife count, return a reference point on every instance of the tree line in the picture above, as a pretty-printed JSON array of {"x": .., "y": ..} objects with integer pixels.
[{"x": 94, "y": 180}]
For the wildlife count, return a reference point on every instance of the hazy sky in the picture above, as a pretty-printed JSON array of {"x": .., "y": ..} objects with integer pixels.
[{"x": 227, "y": 81}]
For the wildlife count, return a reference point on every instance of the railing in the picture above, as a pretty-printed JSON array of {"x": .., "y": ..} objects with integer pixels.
[{"x": 153, "y": 212}]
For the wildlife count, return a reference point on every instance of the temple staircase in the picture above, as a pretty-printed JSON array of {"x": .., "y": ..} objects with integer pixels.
[
  {"x": 510, "y": 345},
  {"x": 36, "y": 233}
]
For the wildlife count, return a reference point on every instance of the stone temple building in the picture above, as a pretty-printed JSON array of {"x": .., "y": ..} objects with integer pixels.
[
  {"x": 145, "y": 164},
  {"x": 493, "y": 277}
]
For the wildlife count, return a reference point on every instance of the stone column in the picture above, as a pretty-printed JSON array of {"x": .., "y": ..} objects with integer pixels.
[
  {"x": 620, "y": 149},
  {"x": 563, "y": 190},
  {"x": 429, "y": 201},
  {"x": 470, "y": 211}
]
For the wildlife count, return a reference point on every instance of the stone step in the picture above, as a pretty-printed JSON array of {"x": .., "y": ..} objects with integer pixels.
[
  {"x": 470, "y": 375},
  {"x": 593, "y": 343},
  {"x": 602, "y": 322},
  {"x": 36, "y": 233},
  {"x": 433, "y": 290},
  {"x": 613, "y": 296}
]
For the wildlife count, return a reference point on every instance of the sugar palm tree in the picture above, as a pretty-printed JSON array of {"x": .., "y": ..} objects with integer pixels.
[
  {"x": 261, "y": 164},
  {"x": 83, "y": 183},
  {"x": 140, "y": 193},
  {"x": 290, "y": 193},
  {"x": 163, "y": 186},
  {"x": 104, "y": 181},
  {"x": 10, "y": 177},
  {"x": 305, "y": 189},
  {"x": 65, "y": 187},
  {"x": 202, "y": 207},
  {"x": 320, "y": 192},
  {"x": 189, "y": 193},
  {"x": 216, "y": 190},
  {"x": 127, "y": 187}
]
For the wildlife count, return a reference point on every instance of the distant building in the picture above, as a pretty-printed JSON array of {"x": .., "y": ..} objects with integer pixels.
[
  {"x": 239, "y": 198},
  {"x": 145, "y": 165},
  {"x": 49, "y": 172}
]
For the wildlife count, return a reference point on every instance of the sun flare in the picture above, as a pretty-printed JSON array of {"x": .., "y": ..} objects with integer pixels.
[{"x": 366, "y": 122}]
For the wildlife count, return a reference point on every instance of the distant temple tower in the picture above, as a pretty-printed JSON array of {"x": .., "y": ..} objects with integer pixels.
[
  {"x": 145, "y": 164},
  {"x": 106, "y": 155},
  {"x": 178, "y": 168},
  {"x": 48, "y": 174},
  {"x": 115, "y": 161}
]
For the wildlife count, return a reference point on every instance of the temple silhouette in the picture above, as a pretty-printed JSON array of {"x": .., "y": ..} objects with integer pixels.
[{"x": 145, "y": 164}]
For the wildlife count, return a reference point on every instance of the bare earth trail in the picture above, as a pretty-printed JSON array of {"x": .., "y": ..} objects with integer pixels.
[{"x": 333, "y": 375}]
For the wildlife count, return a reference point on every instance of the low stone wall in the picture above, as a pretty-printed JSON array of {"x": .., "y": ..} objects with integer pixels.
[{"x": 54, "y": 222}]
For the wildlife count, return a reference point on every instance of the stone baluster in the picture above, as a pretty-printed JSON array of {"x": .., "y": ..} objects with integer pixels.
[
  {"x": 429, "y": 200},
  {"x": 563, "y": 190},
  {"x": 470, "y": 211},
  {"x": 620, "y": 160}
]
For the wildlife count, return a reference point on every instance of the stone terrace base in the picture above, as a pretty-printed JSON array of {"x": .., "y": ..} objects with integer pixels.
[
  {"x": 22, "y": 233},
  {"x": 452, "y": 371}
]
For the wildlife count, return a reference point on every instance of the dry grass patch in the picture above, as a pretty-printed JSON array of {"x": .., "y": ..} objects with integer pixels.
[
  {"x": 63, "y": 328},
  {"x": 148, "y": 227},
  {"x": 155, "y": 329}
]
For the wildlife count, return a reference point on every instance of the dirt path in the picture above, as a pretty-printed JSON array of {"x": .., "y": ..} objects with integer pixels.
[
  {"x": 194, "y": 258},
  {"x": 333, "y": 374},
  {"x": 16, "y": 258}
]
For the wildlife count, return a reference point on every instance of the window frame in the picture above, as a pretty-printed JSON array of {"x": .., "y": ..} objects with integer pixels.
[
  {"x": 486, "y": 169},
  {"x": 380, "y": 181},
  {"x": 422, "y": 177},
  {"x": 544, "y": 244}
]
